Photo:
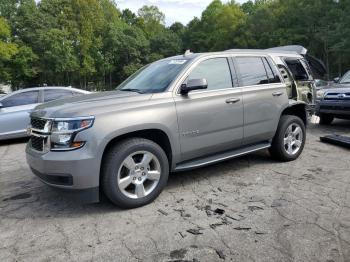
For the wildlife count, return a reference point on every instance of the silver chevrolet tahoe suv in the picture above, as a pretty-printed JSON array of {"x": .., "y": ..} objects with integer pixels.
[{"x": 175, "y": 114}]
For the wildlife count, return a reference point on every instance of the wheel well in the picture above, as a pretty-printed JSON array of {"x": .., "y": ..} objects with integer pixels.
[
  {"x": 297, "y": 110},
  {"x": 157, "y": 136}
]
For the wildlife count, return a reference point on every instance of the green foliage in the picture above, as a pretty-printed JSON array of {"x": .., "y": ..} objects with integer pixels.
[
  {"x": 8, "y": 8},
  {"x": 151, "y": 20},
  {"x": 93, "y": 44},
  {"x": 23, "y": 67},
  {"x": 166, "y": 43},
  {"x": 7, "y": 50}
]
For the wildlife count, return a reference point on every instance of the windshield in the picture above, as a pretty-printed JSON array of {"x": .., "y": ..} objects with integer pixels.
[
  {"x": 345, "y": 79},
  {"x": 153, "y": 78}
]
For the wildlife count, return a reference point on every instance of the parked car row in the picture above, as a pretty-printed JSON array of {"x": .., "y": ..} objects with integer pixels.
[{"x": 16, "y": 107}]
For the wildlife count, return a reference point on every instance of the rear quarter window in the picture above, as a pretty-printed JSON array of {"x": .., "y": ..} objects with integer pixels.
[{"x": 297, "y": 68}]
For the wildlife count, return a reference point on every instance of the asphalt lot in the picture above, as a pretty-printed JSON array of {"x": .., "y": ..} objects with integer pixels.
[{"x": 246, "y": 209}]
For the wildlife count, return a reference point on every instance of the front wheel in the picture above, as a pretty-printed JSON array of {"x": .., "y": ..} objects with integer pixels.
[
  {"x": 134, "y": 172},
  {"x": 289, "y": 141}
]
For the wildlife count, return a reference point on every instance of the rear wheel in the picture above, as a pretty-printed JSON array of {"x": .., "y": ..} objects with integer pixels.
[
  {"x": 135, "y": 172},
  {"x": 326, "y": 119},
  {"x": 289, "y": 141}
]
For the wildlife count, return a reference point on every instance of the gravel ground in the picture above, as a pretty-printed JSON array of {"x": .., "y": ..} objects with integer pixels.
[{"x": 246, "y": 209}]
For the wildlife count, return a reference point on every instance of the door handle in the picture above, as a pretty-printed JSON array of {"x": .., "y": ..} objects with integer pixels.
[
  {"x": 232, "y": 100},
  {"x": 277, "y": 93}
]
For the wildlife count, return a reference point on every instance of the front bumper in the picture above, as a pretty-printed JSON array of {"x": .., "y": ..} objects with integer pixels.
[
  {"x": 336, "y": 108},
  {"x": 76, "y": 170}
]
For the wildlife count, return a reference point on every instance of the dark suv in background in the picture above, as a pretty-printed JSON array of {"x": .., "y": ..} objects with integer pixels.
[{"x": 334, "y": 102}]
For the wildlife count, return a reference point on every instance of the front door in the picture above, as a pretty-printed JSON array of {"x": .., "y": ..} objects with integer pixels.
[{"x": 210, "y": 120}]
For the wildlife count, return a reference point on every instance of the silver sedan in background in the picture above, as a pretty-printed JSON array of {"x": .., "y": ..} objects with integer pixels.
[{"x": 16, "y": 107}]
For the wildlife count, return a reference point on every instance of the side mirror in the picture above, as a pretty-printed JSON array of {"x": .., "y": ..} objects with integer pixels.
[
  {"x": 1, "y": 105},
  {"x": 194, "y": 84},
  {"x": 336, "y": 80}
]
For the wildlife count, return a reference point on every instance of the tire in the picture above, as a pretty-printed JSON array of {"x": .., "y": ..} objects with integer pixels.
[
  {"x": 326, "y": 119},
  {"x": 127, "y": 165},
  {"x": 283, "y": 147}
]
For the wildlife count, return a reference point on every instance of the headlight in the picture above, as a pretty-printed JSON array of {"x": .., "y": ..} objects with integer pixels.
[
  {"x": 320, "y": 94},
  {"x": 64, "y": 130}
]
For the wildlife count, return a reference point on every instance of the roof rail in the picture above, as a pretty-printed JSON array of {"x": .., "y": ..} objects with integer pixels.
[
  {"x": 294, "y": 49},
  {"x": 290, "y": 48}
]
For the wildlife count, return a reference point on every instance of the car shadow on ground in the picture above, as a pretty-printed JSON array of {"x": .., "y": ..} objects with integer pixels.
[
  {"x": 233, "y": 166},
  {"x": 338, "y": 125},
  {"x": 40, "y": 200},
  {"x": 14, "y": 141}
]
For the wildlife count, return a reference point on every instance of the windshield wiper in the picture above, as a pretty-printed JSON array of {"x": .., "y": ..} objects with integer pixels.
[{"x": 131, "y": 90}]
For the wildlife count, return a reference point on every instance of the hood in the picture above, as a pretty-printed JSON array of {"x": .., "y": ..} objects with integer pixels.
[
  {"x": 91, "y": 104},
  {"x": 338, "y": 88}
]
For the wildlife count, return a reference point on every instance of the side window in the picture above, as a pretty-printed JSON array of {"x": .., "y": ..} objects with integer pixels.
[
  {"x": 297, "y": 69},
  {"x": 271, "y": 71},
  {"x": 54, "y": 94},
  {"x": 216, "y": 71},
  {"x": 24, "y": 98},
  {"x": 252, "y": 71}
]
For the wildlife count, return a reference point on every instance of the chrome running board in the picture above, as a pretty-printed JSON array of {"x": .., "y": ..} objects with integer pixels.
[{"x": 200, "y": 162}]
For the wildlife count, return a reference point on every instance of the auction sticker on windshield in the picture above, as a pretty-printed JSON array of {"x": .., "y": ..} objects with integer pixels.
[{"x": 177, "y": 62}]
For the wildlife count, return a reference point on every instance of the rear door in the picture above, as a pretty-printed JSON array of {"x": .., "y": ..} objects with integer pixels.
[
  {"x": 14, "y": 116},
  {"x": 264, "y": 95},
  {"x": 210, "y": 120}
]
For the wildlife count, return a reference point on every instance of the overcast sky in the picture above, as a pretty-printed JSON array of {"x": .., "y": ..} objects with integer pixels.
[{"x": 174, "y": 10}]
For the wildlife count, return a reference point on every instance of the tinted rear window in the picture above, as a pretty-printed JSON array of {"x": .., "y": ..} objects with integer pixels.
[
  {"x": 297, "y": 69},
  {"x": 252, "y": 71},
  {"x": 271, "y": 71}
]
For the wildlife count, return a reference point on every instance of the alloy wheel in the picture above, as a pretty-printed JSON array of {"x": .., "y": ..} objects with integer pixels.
[
  {"x": 293, "y": 139},
  {"x": 139, "y": 174}
]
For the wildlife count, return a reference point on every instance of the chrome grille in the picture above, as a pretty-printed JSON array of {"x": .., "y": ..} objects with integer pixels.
[
  {"x": 40, "y": 128},
  {"x": 337, "y": 96},
  {"x": 38, "y": 123},
  {"x": 37, "y": 143}
]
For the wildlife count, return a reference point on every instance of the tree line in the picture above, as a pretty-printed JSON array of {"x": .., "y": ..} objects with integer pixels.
[{"x": 93, "y": 44}]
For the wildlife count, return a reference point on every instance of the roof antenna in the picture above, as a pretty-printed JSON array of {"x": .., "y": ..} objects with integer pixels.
[{"x": 188, "y": 52}]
